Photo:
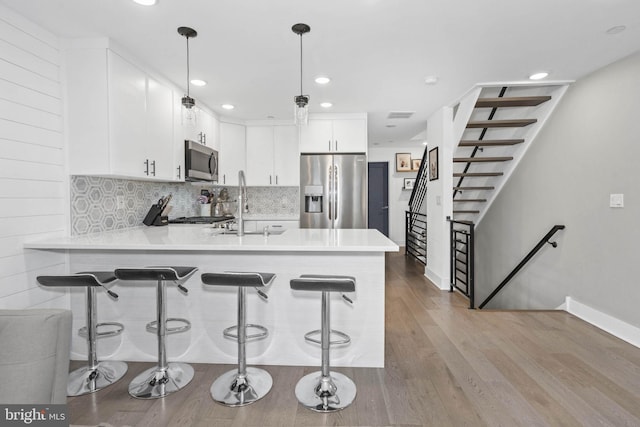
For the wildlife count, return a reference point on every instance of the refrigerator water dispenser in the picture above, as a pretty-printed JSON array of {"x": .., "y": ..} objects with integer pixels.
[{"x": 313, "y": 198}]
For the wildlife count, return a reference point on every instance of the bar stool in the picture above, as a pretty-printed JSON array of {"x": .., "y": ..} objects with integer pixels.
[
  {"x": 325, "y": 391},
  {"x": 243, "y": 385},
  {"x": 164, "y": 378},
  {"x": 96, "y": 375}
]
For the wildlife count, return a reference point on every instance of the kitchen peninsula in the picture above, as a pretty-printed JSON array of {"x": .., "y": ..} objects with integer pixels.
[{"x": 287, "y": 314}]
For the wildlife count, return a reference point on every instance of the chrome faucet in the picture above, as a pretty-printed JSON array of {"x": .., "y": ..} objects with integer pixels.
[{"x": 243, "y": 204}]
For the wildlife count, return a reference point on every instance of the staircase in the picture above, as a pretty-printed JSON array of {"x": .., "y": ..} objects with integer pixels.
[
  {"x": 496, "y": 125},
  {"x": 415, "y": 217}
]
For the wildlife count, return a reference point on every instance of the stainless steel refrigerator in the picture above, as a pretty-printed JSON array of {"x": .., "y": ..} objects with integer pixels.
[{"x": 333, "y": 191}]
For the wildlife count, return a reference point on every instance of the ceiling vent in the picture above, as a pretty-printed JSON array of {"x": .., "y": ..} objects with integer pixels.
[{"x": 400, "y": 114}]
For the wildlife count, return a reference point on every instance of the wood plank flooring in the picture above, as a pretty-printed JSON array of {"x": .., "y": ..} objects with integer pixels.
[{"x": 445, "y": 366}]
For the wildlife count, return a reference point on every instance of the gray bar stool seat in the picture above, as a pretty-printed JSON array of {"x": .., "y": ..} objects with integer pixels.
[
  {"x": 97, "y": 374},
  {"x": 243, "y": 385},
  {"x": 325, "y": 391},
  {"x": 164, "y": 378}
]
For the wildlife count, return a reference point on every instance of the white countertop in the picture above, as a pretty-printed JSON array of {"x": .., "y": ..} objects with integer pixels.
[{"x": 199, "y": 237}]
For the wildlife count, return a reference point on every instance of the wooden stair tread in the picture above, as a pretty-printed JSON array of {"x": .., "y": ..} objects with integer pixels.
[
  {"x": 470, "y": 212},
  {"x": 470, "y": 200},
  {"x": 477, "y": 174},
  {"x": 489, "y": 142},
  {"x": 481, "y": 159},
  {"x": 473, "y": 188},
  {"x": 515, "y": 101},
  {"x": 500, "y": 123}
]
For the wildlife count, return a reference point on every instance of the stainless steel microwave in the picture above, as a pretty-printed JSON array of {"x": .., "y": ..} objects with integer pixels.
[{"x": 200, "y": 162}]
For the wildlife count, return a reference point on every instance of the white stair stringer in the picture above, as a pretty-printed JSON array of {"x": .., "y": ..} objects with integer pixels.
[{"x": 466, "y": 112}]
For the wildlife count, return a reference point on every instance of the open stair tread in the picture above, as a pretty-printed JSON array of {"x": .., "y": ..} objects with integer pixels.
[
  {"x": 469, "y": 200},
  {"x": 465, "y": 211},
  {"x": 474, "y": 188},
  {"x": 476, "y": 174},
  {"x": 515, "y": 101},
  {"x": 481, "y": 159},
  {"x": 500, "y": 123},
  {"x": 489, "y": 142}
]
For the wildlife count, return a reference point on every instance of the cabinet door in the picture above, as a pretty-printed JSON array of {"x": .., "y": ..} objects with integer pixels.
[
  {"x": 178, "y": 138},
  {"x": 232, "y": 153},
  {"x": 316, "y": 136},
  {"x": 159, "y": 148},
  {"x": 127, "y": 118},
  {"x": 260, "y": 156},
  {"x": 350, "y": 135},
  {"x": 286, "y": 157},
  {"x": 211, "y": 130}
]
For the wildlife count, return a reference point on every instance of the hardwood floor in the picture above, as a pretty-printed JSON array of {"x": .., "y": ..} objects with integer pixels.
[{"x": 445, "y": 366}]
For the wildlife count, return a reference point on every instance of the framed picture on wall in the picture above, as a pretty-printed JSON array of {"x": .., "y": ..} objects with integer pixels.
[
  {"x": 433, "y": 164},
  {"x": 403, "y": 162},
  {"x": 409, "y": 183},
  {"x": 415, "y": 164}
]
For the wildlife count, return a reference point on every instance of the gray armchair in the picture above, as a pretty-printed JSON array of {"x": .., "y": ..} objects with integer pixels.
[{"x": 34, "y": 356}]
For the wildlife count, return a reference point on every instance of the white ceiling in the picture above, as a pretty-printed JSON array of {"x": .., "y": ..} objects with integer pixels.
[{"x": 377, "y": 52}]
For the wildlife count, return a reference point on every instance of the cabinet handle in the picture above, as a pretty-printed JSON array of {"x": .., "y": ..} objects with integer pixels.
[
  {"x": 329, "y": 145},
  {"x": 276, "y": 179},
  {"x": 336, "y": 145},
  {"x": 146, "y": 168},
  {"x": 153, "y": 172},
  {"x": 224, "y": 178},
  {"x": 179, "y": 171},
  {"x": 204, "y": 138},
  {"x": 270, "y": 180}
]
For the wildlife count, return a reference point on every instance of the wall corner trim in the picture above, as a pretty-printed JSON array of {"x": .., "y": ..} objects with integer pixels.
[{"x": 607, "y": 323}]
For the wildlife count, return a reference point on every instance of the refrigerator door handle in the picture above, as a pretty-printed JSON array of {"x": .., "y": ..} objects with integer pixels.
[
  {"x": 335, "y": 191},
  {"x": 330, "y": 190}
]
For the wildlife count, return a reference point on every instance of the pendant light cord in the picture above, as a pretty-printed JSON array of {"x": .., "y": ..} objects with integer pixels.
[
  {"x": 301, "y": 93},
  {"x": 187, "y": 65}
]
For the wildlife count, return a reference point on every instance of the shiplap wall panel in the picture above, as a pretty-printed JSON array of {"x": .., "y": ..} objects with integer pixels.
[
  {"x": 24, "y": 133},
  {"x": 14, "y": 150},
  {"x": 13, "y": 245},
  {"x": 33, "y": 180}
]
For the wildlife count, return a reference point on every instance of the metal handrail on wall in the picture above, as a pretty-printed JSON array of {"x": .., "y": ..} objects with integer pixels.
[
  {"x": 462, "y": 258},
  {"x": 525, "y": 260}
]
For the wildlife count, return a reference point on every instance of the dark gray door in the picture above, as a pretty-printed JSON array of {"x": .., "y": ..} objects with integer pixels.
[{"x": 379, "y": 196}]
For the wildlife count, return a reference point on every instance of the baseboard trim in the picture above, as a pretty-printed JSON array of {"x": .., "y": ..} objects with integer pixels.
[
  {"x": 610, "y": 324},
  {"x": 436, "y": 279}
]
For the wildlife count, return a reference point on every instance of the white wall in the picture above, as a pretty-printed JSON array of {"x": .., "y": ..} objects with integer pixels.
[
  {"x": 439, "y": 204},
  {"x": 588, "y": 150},
  {"x": 398, "y": 199},
  {"x": 33, "y": 183}
]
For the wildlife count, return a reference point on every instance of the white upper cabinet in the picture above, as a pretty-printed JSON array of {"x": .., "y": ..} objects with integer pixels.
[
  {"x": 232, "y": 153},
  {"x": 334, "y": 134},
  {"x": 121, "y": 120},
  {"x": 206, "y": 130},
  {"x": 272, "y": 156}
]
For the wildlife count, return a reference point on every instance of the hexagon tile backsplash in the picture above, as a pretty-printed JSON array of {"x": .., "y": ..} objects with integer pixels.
[{"x": 103, "y": 204}]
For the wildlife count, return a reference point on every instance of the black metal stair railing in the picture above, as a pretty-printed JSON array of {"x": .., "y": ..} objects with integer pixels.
[
  {"x": 524, "y": 261},
  {"x": 419, "y": 191},
  {"x": 415, "y": 220},
  {"x": 462, "y": 258}
]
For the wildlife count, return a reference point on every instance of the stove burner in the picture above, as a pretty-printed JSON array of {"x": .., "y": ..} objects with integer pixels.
[{"x": 199, "y": 219}]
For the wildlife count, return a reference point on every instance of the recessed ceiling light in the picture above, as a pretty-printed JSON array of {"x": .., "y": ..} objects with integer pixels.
[
  {"x": 322, "y": 80},
  {"x": 228, "y": 106},
  {"x": 538, "y": 76},
  {"x": 424, "y": 143},
  {"x": 616, "y": 30},
  {"x": 390, "y": 126},
  {"x": 146, "y": 2},
  {"x": 430, "y": 80},
  {"x": 326, "y": 104},
  {"x": 197, "y": 82}
]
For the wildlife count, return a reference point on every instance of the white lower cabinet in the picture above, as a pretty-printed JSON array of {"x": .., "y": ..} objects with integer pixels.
[{"x": 272, "y": 156}]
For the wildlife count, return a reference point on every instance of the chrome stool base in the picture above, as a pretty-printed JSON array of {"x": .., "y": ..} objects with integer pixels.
[
  {"x": 325, "y": 394},
  {"x": 86, "y": 380},
  {"x": 230, "y": 389},
  {"x": 155, "y": 382}
]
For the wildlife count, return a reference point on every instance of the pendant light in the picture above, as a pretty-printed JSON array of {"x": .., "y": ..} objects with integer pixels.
[
  {"x": 301, "y": 101},
  {"x": 188, "y": 113}
]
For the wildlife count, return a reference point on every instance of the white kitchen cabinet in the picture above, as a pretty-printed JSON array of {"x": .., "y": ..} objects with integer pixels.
[
  {"x": 120, "y": 118},
  {"x": 232, "y": 153},
  {"x": 205, "y": 130},
  {"x": 272, "y": 156},
  {"x": 334, "y": 135}
]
